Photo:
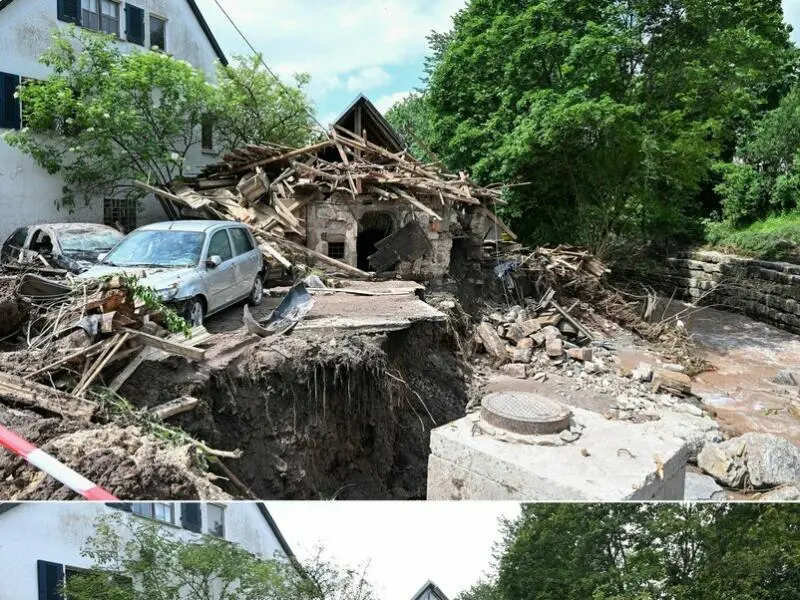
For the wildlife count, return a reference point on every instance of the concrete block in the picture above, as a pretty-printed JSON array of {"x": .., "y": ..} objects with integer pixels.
[
  {"x": 555, "y": 348},
  {"x": 515, "y": 370},
  {"x": 611, "y": 461},
  {"x": 581, "y": 354}
]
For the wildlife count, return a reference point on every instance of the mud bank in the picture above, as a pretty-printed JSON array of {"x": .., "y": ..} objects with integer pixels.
[{"x": 343, "y": 416}]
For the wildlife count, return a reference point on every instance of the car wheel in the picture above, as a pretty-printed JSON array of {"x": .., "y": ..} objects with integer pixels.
[
  {"x": 256, "y": 292},
  {"x": 194, "y": 312}
]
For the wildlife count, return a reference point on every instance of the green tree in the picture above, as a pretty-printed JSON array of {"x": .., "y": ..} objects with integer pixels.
[
  {"x": 253, "y": 107},
  {"x": 614, "y": 111},
  {"x": 136, "y": 559},
  {"x": 412, "y": 119},
  {"x": 105, "y": 118}
]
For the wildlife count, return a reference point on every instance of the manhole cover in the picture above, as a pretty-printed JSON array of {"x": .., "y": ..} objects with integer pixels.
[{"x": 525, "y": 413}]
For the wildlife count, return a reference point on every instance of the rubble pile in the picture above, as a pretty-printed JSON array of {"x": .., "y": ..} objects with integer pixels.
[{"x": 269, "y": 187}]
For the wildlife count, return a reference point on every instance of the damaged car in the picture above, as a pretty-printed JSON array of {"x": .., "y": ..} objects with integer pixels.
[
  {"x": 74, "y": 247},
  {"x": 199, "y": 267}
]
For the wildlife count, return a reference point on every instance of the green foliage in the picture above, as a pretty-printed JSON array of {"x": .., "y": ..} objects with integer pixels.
[
  {"x": 139, "y": 559},
  {"x": 615, "y": 112},
  {"x": 772, "y": 238},
  {"x": 649, "y": 552},
  {"x": 105, "y": 118},
  {"x": 253, "y": 107},
  {"x": 173, "y": 322},
  {"x": 412, "y": 119}
]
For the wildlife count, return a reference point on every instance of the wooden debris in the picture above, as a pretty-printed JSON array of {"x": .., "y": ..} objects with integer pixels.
[
  {"x": 170, "y": 346},
  {"x": 174, "y": 407},
  {"x": 17, "y": 390}
]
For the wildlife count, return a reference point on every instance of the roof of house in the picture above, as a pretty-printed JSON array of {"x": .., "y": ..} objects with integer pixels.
[
  {"x": 200, "y": 19},
  {"x": 377, "y": 127},
  {"x": 438, "y": 593},
  {"x": 7, "y": 506}
]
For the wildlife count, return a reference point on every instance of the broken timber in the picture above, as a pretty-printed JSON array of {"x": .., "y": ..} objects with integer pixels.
[{"x": 40, "y": 397}]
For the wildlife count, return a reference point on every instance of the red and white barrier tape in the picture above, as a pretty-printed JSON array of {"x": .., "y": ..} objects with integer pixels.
[{"x": 48, "y": 464}]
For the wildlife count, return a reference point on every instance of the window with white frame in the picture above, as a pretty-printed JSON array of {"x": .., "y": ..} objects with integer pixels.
[
  {"x": 100, "y": 15},
  {"x": 158, "y": 33},
  {"x": 216, "y": 520},
  {"x": 160, "y": 511}
]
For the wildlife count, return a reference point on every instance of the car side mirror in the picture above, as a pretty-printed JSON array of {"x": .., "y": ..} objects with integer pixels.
[
  {"x": 102, "y": 256},
  {"x": 213, "y": 261}
]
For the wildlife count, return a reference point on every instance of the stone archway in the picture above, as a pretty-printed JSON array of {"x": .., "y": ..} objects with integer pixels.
[{"x": 372, "y": 228}]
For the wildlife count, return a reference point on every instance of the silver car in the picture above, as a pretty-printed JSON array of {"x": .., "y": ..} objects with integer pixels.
[{"x": 201, "y": 267}]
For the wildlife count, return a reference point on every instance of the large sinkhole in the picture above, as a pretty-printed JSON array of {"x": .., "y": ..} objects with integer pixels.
[{"x": 347, "y": 417}]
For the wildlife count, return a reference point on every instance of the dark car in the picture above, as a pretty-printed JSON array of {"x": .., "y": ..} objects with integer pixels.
[{"x": 71, "y": 246}]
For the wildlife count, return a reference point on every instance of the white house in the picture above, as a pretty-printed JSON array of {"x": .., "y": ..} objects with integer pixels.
[
  {"x": 40, "y": 543},
  {"x": 430, "y": 591},
  {"x": 28, "y": 194}
]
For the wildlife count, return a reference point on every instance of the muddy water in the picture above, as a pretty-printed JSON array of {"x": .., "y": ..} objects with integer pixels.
[{"x": 747, "y": 354}]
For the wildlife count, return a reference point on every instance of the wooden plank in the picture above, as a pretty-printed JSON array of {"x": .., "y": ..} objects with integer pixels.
[
  {"x": 174, "y": 407},
  {"x": 494, "y": 218},
  {"x": 414, "y": 202},
  {"x": 319, "y": 256},
  {"x": 299, "y": 151},
  {"x": 268, "y": 248},
  {"x": 168, "y": 346},
  {"x": 29, "y": 394}
]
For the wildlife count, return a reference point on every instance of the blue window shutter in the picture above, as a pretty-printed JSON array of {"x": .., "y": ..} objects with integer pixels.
[
  {"x": 190, "y": 516},
  {"x": 134, "y": 24},
  {"x": 51, "y": 577},
  {"x": 69, "y": 11},
  {"x": 9, "y": 105},
  {"x": 126, "y": 506}
]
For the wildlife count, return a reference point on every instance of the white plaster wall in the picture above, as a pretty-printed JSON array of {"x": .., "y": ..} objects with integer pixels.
[
  {"x": 28, "y": 194},
  {"x": 56, "y": 532}
]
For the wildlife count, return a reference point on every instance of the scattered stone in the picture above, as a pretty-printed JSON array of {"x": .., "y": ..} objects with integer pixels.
[
  {"x": 447, "y": 305},
  {"x": 538, "y": 338},
  {"x": 676, "y": 383},
  {"x": 549, "y": 320},
  {"x": 689, "y": 408},
  {"x": 501, "y": 331},
  {"x": 491, "y": 341},
  {"x": 512, "y": 314},
  {"x": 581, "y": 354},
  {"x": 756, "y": 459},
  {"x": 697, "y": 432},
  {"x": 555, "y": 348},
  {"x": 525, "y": 343},
  {"x": 643, "y": 372},
  {"x": 786, "y": 493},
  {"x": 531, "y": 326},
  {"x": 590, "y": 367},
  {"x": 675, "y": 368},
  {"x": 785, "y": 377},
  {"x": 515, "y": 333},
  {"x": 496, "y": 318},
  {"x": 702, "y": 487},
  {"x": 569, "y": 436},
  {"x": 522, "y": 355},
  {"x": 551, "y": 333},
  {"x": 519, "y": 371},
  {"x": 540, "y": 377}
]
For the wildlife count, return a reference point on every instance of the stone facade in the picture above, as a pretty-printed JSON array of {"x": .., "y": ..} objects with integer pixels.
[
  {"x": 767, "y": 291},
  {"x": 357, "y": 223}
]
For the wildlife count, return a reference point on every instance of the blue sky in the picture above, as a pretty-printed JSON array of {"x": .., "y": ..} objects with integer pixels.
[{"x": 375, "y": 47}]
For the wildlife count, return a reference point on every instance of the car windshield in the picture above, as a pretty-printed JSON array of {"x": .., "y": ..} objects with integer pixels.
[
  {"x": 88, "y": 240},
  {"x": 163, "y": 248}
]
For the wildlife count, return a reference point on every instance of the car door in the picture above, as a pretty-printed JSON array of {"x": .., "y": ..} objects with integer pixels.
[
  {"x": 248, "y": 263},
  {"x": 13, "y": 246},
  {"x": 221, "y": 279}
]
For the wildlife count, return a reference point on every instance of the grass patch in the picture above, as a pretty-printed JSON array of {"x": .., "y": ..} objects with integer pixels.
[{"x": 773, "y": 238}]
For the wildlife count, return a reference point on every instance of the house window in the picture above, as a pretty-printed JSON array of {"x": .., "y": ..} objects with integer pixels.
[
  {"x": 134, "y": 24},
  {"x": 69, "y": 11},
  {"x": 207, "y": 133},
  {"x": 10, "y": 114},
  {"x": 120, "y": 213},
  {"x": 336, "y": 250},
  {"x": 51, "y": 578},
  {"x": 216, "y": 520},
  {"x": 160, "y": 511},
  {"x": 100, "y": 15},
  {"x": 158, "y": 33}
]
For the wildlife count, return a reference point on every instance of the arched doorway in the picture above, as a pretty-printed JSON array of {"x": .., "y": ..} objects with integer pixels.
[{"x": 372, "y": 228}]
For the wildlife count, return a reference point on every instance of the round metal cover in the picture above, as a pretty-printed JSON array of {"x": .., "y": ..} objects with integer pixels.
[{"x": 525, "y": 413}]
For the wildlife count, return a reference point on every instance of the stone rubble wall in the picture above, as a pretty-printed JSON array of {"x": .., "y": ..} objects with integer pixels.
[{"x": 767, "y": 291}]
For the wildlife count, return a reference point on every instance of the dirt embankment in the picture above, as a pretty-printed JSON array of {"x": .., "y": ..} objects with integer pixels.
[{"x": 346, "y": 417}]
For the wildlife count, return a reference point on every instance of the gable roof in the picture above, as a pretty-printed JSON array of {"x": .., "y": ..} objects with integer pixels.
[
  {"x": 378, "y": 129},
  {"x": 200, "y": 19},
  {"x": 434, "y": 589},
  {"x": 274, "y": 526}
]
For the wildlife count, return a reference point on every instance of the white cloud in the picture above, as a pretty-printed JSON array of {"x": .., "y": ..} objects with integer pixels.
[
  {"x": 368, "y": 78},
  {"x": 384, "y": 103},
  {"x": 331, "y": 39}
]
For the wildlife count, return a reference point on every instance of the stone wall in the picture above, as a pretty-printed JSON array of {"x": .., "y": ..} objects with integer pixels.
[
  {"x": 336, "y": 219},
  {"x": 767, "y": 291}
]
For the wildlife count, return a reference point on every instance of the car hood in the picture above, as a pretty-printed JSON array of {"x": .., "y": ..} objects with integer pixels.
[{"x": 158, "y": 278}]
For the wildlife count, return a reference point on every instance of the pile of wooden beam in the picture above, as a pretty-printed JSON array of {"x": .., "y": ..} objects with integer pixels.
[{"x": 268, "y": 186}]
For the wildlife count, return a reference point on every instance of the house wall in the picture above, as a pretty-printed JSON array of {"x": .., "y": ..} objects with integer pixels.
[
  {"x": 336, "y": 218},
  {"x": 56, "y": 532},
  {"x": 28, "y": 194}
]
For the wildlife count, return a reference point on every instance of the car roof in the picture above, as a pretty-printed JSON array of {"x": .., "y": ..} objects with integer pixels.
[
  {"x": 68, "y": 226},
  {"x": 188, "y": 225}
]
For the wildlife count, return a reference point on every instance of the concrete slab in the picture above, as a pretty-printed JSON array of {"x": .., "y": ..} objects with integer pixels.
[{"x": 611, "y": 461}]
